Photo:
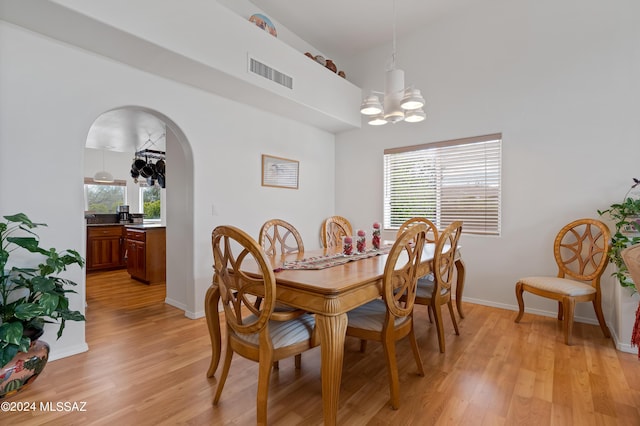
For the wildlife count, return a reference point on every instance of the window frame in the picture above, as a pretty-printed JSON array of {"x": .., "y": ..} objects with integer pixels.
[
  {"x": 116, "y": 182},
  {"x": 479, "y": 181}
]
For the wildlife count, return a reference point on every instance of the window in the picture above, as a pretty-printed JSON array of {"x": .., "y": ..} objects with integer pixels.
[
  {"x": 150, "y": 202},
  {"x": 445, "y": 182},
  {"x": 104, "y": 197}
]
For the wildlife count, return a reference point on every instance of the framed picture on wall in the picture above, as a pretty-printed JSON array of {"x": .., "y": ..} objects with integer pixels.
[{"x": 279, "y": 172}]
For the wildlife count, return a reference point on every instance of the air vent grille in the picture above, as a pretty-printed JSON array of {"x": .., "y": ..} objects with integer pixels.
[{"x": 269, "y": 73}]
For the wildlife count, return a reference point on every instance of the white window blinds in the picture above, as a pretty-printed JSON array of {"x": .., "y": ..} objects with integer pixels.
[{"x": 445, "y": 182}]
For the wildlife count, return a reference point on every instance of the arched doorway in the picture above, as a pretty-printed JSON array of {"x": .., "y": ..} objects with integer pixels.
[{"x": 125, "y": 130}]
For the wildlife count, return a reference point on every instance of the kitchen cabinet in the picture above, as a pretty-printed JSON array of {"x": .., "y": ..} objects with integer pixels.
[
  {"x": 146, "y": 253},
  {"x": 105, "y": 247}
]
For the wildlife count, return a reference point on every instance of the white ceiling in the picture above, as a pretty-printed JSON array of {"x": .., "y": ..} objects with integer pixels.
[
  {"x": 342, "y": 28},
  {"x": 127, "y": 130}
]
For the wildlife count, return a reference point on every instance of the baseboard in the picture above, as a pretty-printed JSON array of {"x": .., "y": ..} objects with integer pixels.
[
  {"x": 515, "y": 308},
  {"x": 622, "y": 347},
  {"x": 175, "y": 304},
  {"x": 67, "y": 351}
]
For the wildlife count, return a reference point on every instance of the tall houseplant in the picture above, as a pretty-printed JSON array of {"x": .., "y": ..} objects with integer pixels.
[
  {"x": 627, "y": 222},
  {"x": 31, "y": 297}
]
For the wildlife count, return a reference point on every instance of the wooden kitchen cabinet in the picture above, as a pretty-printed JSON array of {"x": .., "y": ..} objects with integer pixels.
[
  {"x": 146, "y": 254},
  {"x": 105, "y": 247}
]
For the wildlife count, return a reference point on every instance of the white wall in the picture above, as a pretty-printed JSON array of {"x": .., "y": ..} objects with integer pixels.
[
  {"x": 52, "y": 93},
  {"x": 560, "y": 80}
]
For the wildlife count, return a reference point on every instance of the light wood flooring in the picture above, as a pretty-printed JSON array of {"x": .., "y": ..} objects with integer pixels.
[{"x": 147, "y": 364}]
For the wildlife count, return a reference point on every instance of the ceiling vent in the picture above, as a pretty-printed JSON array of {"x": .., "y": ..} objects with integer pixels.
[{"x": 269, "y": 73}]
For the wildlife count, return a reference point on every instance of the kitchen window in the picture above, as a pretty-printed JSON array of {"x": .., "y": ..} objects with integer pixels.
[
  {"x": 445, "y": 181},
  {"x": 104, "y": 197},
  {"x": 150, "y": 200}
]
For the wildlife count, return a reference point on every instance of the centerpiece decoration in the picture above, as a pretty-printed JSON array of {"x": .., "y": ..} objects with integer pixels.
[
  {"x": 375, "y": 240},
  {"x": 29, "y": 298},
  {"x": 361, "y": 242},
  {"x": 347, "y": 245}
]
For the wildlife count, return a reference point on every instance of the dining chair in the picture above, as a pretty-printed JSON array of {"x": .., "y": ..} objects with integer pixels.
[
  {"x": 432, "y": 231},
  {"x": 435, "y": 289},
  {"x": 390, "y": 319},
  {"x": 261, "y": 335},
  {"x": 580, "y": 250},
  {"x": 333, "y": 229},
  {"x": 280, "y": 237}
]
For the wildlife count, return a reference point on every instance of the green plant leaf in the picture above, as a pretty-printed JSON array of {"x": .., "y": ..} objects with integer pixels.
[
  {"x": 26, "y": 311},
  {"x": 42, "y": 284},
  {"x": 49, "y": 303},
  {"x": 7, "y": 353},
  {"x": 11, "y": 332},
  {"x": 23, "y": 220}
]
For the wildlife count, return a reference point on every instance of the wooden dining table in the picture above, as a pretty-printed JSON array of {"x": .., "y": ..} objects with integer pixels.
[{"x": 329, "y": 293}]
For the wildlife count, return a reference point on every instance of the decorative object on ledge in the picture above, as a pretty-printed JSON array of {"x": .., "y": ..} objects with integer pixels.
[
  {"x": 279, "y": 172},
  {"x": 327, "y": 63},
  {"x": 400, "y": 103},
  {"x": 152, "y": 172},
  {"x": 627, "y": 221},
  {"x": 263, "y": 22}
]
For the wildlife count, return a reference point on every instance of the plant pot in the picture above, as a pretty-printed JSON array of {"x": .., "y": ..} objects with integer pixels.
[{"x": 23, "y": 369}]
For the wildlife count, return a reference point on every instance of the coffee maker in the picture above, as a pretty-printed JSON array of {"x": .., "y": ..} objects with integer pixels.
[{"x": 123, "y": 214}]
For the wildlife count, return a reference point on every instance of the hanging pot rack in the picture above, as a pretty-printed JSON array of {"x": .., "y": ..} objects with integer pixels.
[{"x": 151, "y": 153}]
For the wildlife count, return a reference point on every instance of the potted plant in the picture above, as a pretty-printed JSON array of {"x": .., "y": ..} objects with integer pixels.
[
  {"x": 627, "y": 222},
  {"x": 29, "y": 298}
]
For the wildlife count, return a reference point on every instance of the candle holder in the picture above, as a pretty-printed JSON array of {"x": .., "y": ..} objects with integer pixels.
[
  {"x": 361, "y": 242},
  {"x": 375, "y": 240}
]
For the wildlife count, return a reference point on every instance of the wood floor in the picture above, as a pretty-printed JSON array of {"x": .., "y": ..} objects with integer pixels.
[{"x": 147, "y": 364}]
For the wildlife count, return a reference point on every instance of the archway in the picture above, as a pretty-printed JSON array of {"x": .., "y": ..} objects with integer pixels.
[{"x": 125, "y": 129}]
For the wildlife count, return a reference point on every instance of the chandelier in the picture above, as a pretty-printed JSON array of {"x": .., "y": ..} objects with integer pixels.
[{"x": 400, "y": 103}]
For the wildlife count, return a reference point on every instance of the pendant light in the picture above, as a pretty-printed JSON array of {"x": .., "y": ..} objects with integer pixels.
[
  {"x": 103, "y": 176},
  {"x": 400, "y": 103}
]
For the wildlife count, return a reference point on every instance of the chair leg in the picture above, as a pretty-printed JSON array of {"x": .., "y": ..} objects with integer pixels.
[
  {"x": 597, "y": 306},
  {"x": 569, "y": 305},
  {"x": 392, "y": 367},
  {"x": 363, "y": 345},
  {"x": 430, "y": 312},
  {"x": 453, "y": 317},
  {"x": 519, "y": 291},
  {"x": 264, "y": 373},
  {"x": 298, "y": 361},
  {"x": 437, "y": 313},
  {"x": 276, "y": 365},
  {"x": 416, "y": 349},
  {"x": 225, "y": 371},
  {"x": 560, "y": 311}
]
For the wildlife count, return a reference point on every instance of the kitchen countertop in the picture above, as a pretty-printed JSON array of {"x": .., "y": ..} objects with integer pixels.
[
  {"x": 128, "y": 225},
  {"x": 144, "y": 225}
]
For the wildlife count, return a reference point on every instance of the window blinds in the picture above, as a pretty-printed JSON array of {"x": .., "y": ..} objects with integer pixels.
[{"x": 445, "y": 182}]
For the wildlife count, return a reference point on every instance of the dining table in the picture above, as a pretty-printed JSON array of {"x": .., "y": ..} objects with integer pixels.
[{"x": 329, "y": 292}]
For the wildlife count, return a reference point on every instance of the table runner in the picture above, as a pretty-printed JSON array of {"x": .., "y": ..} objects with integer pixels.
[{"x": 329, "y": 260}]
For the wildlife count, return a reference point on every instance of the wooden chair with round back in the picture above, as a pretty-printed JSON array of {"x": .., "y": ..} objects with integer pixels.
[
  {"x": 260, "y": 335},
  {"x": 435, "y": 289},
  {"x": 390, "y": 319},
  {"x": 333, "y": 229},
  {"x": 580, "y": 250},
  {"x": 280, "y": 237},
  {"x": 432, "y": 231}
]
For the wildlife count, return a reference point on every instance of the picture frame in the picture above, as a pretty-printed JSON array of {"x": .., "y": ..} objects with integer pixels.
[{"x": 279, "y": 172}]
